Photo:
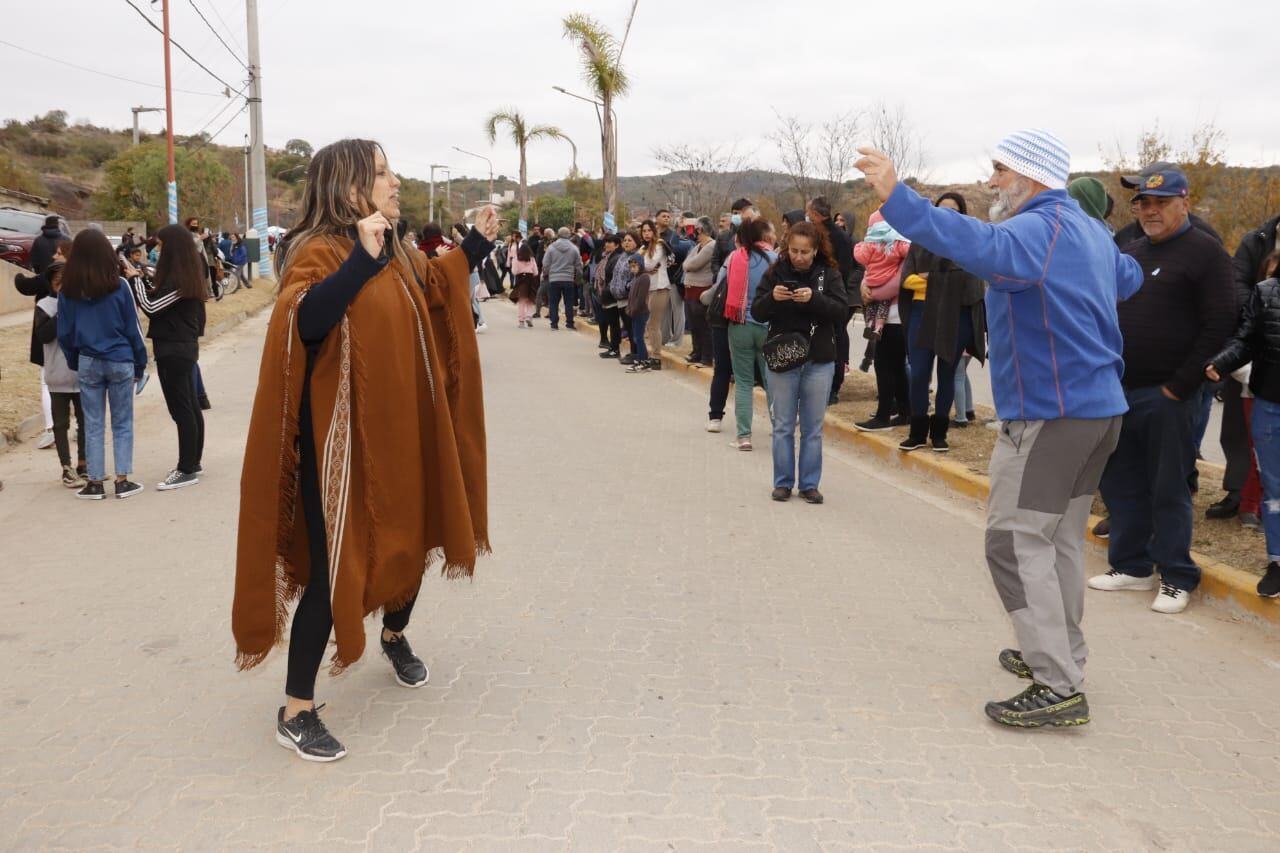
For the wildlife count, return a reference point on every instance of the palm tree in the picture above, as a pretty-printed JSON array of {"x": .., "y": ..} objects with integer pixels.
[
  {"x": 601, "y": 53},
  {"x": 521, "y": 135}
]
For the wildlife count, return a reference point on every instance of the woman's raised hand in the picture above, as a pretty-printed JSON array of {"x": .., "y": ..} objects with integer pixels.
[
  {"x": 487, "y": 222},
  {"x": 371, "y": 231}
]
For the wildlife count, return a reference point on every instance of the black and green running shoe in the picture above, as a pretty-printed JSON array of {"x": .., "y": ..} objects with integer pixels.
[
  {"x": 1011, "y": 659},
  {"x": 1039, "y": 706}
]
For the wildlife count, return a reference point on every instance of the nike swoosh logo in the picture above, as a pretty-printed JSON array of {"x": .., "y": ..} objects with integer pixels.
[
  {"x": 1155, "y": 272},
  {"x": 297, "y": 739}
]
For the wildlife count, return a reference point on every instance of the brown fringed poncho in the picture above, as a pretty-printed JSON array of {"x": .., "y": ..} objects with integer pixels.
[{"x": 398, "y": 416}]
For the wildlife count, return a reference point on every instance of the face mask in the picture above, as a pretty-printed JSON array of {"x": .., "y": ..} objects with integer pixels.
[
  {"x": 808, "y": 218},
  {"x": 735, "y": 220}
]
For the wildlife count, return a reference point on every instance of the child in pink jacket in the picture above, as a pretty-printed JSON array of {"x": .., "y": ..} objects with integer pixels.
[{"x": 882, "y": 253}]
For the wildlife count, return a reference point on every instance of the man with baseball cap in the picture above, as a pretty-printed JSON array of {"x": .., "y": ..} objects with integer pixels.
[
  {"x": 1056, "y": 358},
  {"x": 1133, "y": 231},
  {"x": 1179, "y": 320}
]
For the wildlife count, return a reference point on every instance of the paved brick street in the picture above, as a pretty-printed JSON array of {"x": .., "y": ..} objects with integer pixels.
[{"x": 657, "y": 657}]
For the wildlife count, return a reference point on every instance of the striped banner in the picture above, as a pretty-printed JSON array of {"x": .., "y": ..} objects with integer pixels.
[
  {"x": 173, "y": 203},
  {"x": 265, "y": 268},
  {"x": 610, "y": 225}
]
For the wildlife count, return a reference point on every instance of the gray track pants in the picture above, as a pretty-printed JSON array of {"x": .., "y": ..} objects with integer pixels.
[{"x": 1043, "y": 478}]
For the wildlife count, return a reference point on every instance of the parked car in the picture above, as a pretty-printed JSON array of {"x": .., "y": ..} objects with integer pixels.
[{"x": 18, "y": 229}]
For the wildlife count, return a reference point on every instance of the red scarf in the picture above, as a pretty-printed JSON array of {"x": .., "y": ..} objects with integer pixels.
[{"x": 735, "y": 303}]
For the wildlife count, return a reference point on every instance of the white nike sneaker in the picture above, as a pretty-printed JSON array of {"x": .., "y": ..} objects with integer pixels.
[
  {"x": 713, "y": 425},
  {"x": 1116, "y": 580},
  {"x": 1170, "y": 599}
]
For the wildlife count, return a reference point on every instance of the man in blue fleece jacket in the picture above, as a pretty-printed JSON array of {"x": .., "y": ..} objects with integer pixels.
[{"x": 1054, "y": 276}]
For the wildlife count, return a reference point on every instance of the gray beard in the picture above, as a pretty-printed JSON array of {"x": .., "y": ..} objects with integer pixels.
[{"x": 1007, "y": 203}]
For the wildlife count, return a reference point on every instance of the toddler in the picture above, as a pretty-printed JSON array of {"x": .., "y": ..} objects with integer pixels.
[{"x": 882, "y": 253}]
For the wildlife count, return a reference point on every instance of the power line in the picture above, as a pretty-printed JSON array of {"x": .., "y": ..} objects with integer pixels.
[
  {"x": 160, "y": 30},
  {"x": 216, "y": 133},
  {"x": 217, "y": 35},
  {"x": 219, "y": 113},
  {"x": 107, "y": 74},
  {"x": 218, "y": 15}
]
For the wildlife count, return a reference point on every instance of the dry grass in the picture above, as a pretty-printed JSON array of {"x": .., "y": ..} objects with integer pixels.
[
  {"x": 1226, "y": 540},
  {"x": 20, "y": 379}
]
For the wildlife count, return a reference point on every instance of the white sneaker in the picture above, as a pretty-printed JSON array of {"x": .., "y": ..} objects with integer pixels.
[
  {"x": 1114, "y": 580},
  {"x": 45, "y": 441},
  {"x": 1170, "y": 599},
  {"x": 713, "y": 425},
  {"x": 483, "y": 327}
]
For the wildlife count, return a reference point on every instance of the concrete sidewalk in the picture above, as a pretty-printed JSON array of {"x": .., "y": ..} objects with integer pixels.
[{"x": 657, "y": 657}]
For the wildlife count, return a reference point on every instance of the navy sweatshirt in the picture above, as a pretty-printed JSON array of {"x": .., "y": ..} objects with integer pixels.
[{"x": 105, "y": 328}]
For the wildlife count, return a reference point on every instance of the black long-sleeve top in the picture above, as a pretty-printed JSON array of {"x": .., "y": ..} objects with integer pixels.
[
  {"x": 821, "y": 315},
  {"x": 1183, "y": 314},
  {"x": 328, "y": 300}
]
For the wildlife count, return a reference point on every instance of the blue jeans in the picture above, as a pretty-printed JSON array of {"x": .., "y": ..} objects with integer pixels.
[
  {"x": 557, "y": 291},
  {"x": 639, "y": 351},
  {"x": 964, "y": 390},
  {"x": 1266, "y": 443},
  {"x": 1204, "y": 408},
  {"x": 1145, "y": 489},
  {"x": 100, "y": 382},
  {"x": 798, "y": 395},
  {"x": 921, "y": 361}
]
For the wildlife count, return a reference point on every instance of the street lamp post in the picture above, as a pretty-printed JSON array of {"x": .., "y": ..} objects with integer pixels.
[
  {"x": 600, "y": 121},
  {"x": 484, "y": 158},
  {"x": 431, "y": 203},
  {"x": 137, "y": 135}
]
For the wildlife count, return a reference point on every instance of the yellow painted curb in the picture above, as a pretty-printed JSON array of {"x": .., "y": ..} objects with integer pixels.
[{"x": 1218, "y": 582}]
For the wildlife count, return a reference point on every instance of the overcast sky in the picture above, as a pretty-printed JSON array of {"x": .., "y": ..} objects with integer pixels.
[{"x": 422, "y": 79}]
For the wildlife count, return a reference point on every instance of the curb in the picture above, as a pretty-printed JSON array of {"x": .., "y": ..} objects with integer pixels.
[{"x": 1232, "y": 588}]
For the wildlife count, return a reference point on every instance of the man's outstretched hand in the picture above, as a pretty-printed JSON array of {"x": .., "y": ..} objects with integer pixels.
[
  {"x": 879, "y": 171},
  {"x": 487, "y": 222}
]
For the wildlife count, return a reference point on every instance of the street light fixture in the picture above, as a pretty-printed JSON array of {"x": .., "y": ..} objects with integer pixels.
[
  {"x": 431, "y": 203},
  {"x": 599, "y": 121},
  {"x": 484, "y": 158}
]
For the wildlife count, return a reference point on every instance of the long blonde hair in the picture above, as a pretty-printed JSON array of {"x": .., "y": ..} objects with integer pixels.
[{"x": 327, "y": 206}]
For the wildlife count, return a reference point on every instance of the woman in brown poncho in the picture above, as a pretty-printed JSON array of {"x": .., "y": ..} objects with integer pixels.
[{"x": 365, "y": 459}]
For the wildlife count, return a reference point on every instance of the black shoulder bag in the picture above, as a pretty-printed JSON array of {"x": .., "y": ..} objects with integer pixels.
[{"x": 788, "y": 350}]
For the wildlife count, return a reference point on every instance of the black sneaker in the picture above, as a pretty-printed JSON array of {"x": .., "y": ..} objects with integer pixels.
[
  {"x": 177, "y": 480},
  {"x": 613, "y": 353},
  {"x": 865, "y": 365},
  {"x": 602, "y": 345},
  {"x": 628, "y": 359},
  {"x": 1269, "y": 586},
  {"x": 655, "y": 364},
  {"x": 638, "y": 367},
  {"x": 874, "y": 424},
  {"x": 306, "y": 735},
  {"x": 409, "y": 668},
  {"x": 127, "y": 488},
  {"x": 1039, "y": 706},
  {"x": 899, "y": 421},
  {"x": 1103, "y": 529},
  {"x": 1011, "y": 659},
  {"x": 92, "y": 492},
  {"x": 1228, "y": 507}
]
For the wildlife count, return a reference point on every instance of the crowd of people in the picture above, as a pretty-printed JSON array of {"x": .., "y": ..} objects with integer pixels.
[{"x": 87, "y": 339}]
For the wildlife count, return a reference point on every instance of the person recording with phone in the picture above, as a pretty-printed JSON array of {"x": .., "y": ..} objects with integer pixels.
[
  {"x": 365, "y": 457},
  {"x": 803, "y": 299}
]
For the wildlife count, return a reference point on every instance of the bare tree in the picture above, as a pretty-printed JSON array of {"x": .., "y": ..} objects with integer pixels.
[
  {"x": 791, "y": 138},
  {"x": 703, "y": 177},
  {"x": 838, "y": 146},
  {"x": 894, "y": 134}
]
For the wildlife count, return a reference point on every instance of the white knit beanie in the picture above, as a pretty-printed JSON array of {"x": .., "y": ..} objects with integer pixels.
[{"x": 1037, "y": 154}]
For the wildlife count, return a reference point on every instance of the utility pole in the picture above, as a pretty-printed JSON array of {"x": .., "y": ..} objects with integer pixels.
[
  {"x": 168, "y": 112},
  {"x": 248, "y": 209},
  {"x": 258, "y": 151},
  {"x": 137, "y": 136},
  {"x": 487, "y": 160}
]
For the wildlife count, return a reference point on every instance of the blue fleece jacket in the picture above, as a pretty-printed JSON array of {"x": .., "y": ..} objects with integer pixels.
[
  {"x": 1055, "y": 276},
  {"x": 105, "y": 328}
]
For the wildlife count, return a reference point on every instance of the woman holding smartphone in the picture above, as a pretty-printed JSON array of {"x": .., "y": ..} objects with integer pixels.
[
  {"x": 175, "y": 305},
  {"x": 365, "y": 459},
  {"x": 802, "y": 295}
]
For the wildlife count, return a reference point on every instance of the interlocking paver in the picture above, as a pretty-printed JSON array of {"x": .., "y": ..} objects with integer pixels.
[{"x": 657, "y": 657}]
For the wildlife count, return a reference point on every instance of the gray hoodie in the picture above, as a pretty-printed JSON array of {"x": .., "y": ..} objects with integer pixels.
[
  {"x": 57, "y": 374},
  {"x": 561, "y": 262}
]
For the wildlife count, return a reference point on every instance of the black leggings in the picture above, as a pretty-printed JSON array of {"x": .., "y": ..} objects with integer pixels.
[
  {"x": 611, "y": 326},
  {"x": 892, "y": 396},
  {"x": 178, "y": 382},
  {"x": 62, "y": 404},
  {"x": 313, "y": 618}
]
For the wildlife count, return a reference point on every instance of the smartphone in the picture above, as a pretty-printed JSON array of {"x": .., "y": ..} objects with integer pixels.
[{"x": 388, "y": 237}]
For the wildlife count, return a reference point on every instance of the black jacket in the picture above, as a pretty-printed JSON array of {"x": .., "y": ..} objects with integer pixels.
[
  {"x": 1257, "y": 340},
  {"x": 44, "y": 246},
  {"x": 726, "y": 242},
  {"x": 1254, "y": 248},
  {"x": 176, "y": 324},
  {"x": 821, "y": 315},
  {"x": 38, "y": 287},
  {"x": 951, "y": 292}
]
